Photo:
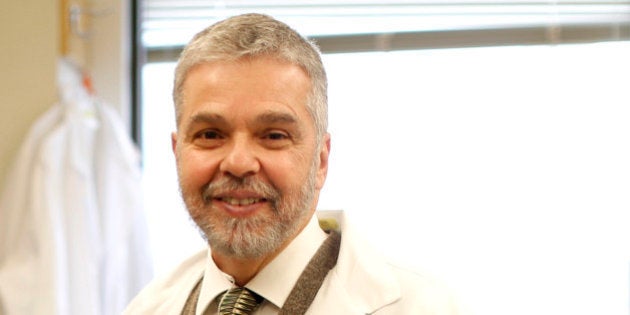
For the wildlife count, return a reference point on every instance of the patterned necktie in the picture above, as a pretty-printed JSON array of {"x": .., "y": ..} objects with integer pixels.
[{"x": 239, "y": 301}]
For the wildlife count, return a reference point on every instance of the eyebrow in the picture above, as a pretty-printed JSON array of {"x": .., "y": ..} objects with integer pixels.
[
  {"x": 206, "y": 119},
  {"x": 269, "y": 117},
  {"x": 274, "y": 117},
  {"x": 209, "y": 118}
]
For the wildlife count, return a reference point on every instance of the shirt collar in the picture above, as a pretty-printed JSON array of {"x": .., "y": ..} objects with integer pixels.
[
  {"x": 276, "y": 280},
  {"x": 214, "y": 283}
]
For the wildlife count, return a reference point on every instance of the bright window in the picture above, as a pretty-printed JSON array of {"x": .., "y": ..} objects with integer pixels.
[{"x": 504, "y": 170}]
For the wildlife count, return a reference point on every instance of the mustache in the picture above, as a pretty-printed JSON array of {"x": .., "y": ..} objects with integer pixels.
[{"x": 227, "y": 184}]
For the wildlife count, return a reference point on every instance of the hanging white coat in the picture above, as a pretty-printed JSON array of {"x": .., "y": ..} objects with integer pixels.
[{"x": 73, "y": 237}]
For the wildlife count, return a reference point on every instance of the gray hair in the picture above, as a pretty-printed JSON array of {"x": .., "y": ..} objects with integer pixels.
[{"x": 253, "y": 35}]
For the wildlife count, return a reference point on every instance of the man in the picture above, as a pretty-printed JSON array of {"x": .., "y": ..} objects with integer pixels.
[{"x": 252, "y": 155}]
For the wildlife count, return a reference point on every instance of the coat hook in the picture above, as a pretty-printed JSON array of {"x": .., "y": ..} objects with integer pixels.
[{"x": 76, "y": 14}]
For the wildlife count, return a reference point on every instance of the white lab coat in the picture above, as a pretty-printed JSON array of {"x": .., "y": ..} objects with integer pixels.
[
  {"x": 362, "y": 282},
  {"x": 73, "y": 239}
]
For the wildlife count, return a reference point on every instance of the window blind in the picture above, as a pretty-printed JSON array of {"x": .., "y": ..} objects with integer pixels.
[{"x": 366, "y": 25}]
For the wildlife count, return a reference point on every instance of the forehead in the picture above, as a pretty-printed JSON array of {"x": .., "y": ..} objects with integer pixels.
[{"x": 245, "y": 84}]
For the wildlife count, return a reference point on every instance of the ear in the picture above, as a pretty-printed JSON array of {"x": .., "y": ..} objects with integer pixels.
[
  {"x": 322, "y": 170},
  {"x": 174, "y": 143}
]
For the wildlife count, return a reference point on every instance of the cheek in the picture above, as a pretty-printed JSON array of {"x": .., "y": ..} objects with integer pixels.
[
  {"x": 195, "y": 169},
  {"x": 287, "y": 173}
]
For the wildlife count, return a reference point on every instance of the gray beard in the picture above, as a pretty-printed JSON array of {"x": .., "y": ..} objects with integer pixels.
[{"x": 256, "y": 236}]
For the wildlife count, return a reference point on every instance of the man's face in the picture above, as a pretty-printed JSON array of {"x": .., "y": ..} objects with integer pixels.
[{"x": 248, "y": 165}]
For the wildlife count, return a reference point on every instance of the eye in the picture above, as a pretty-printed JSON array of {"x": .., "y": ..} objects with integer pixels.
[
  {"x": 276, "y": 139},
  {"x": 209, "y": 135},
  {"x": 208, "y": 138},
  {"x": 276, "y": 136}
]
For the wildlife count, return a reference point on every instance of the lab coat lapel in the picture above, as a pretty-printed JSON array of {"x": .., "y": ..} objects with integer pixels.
[{"x": 361, "y": 282}]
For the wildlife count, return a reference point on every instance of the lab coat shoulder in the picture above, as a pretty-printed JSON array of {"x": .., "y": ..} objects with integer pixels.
[
  {"x": 164, "y": 294},
  {"x": 422, "y": 294},
  {"x": 364, "y": 282}
]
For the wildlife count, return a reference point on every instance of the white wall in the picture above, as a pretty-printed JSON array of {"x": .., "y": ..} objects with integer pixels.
[{"x": 108, "y": 56}]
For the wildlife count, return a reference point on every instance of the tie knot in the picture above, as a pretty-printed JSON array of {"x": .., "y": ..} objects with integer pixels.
[{"x": 238, "y": 301}]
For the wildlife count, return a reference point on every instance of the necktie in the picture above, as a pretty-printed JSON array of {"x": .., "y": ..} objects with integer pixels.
[{"x": 238, "y": 301}]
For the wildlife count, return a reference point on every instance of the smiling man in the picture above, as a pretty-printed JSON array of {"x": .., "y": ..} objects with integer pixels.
[
  {"x": 249, "y": 160},
  {"x": 252, "y": 155}
]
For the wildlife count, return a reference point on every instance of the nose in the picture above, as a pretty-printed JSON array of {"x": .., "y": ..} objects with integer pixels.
[{"x": 240, "y": 160}]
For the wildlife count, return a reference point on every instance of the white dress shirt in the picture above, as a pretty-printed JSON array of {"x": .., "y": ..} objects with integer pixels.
[{"x": 274, "y": 282}]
